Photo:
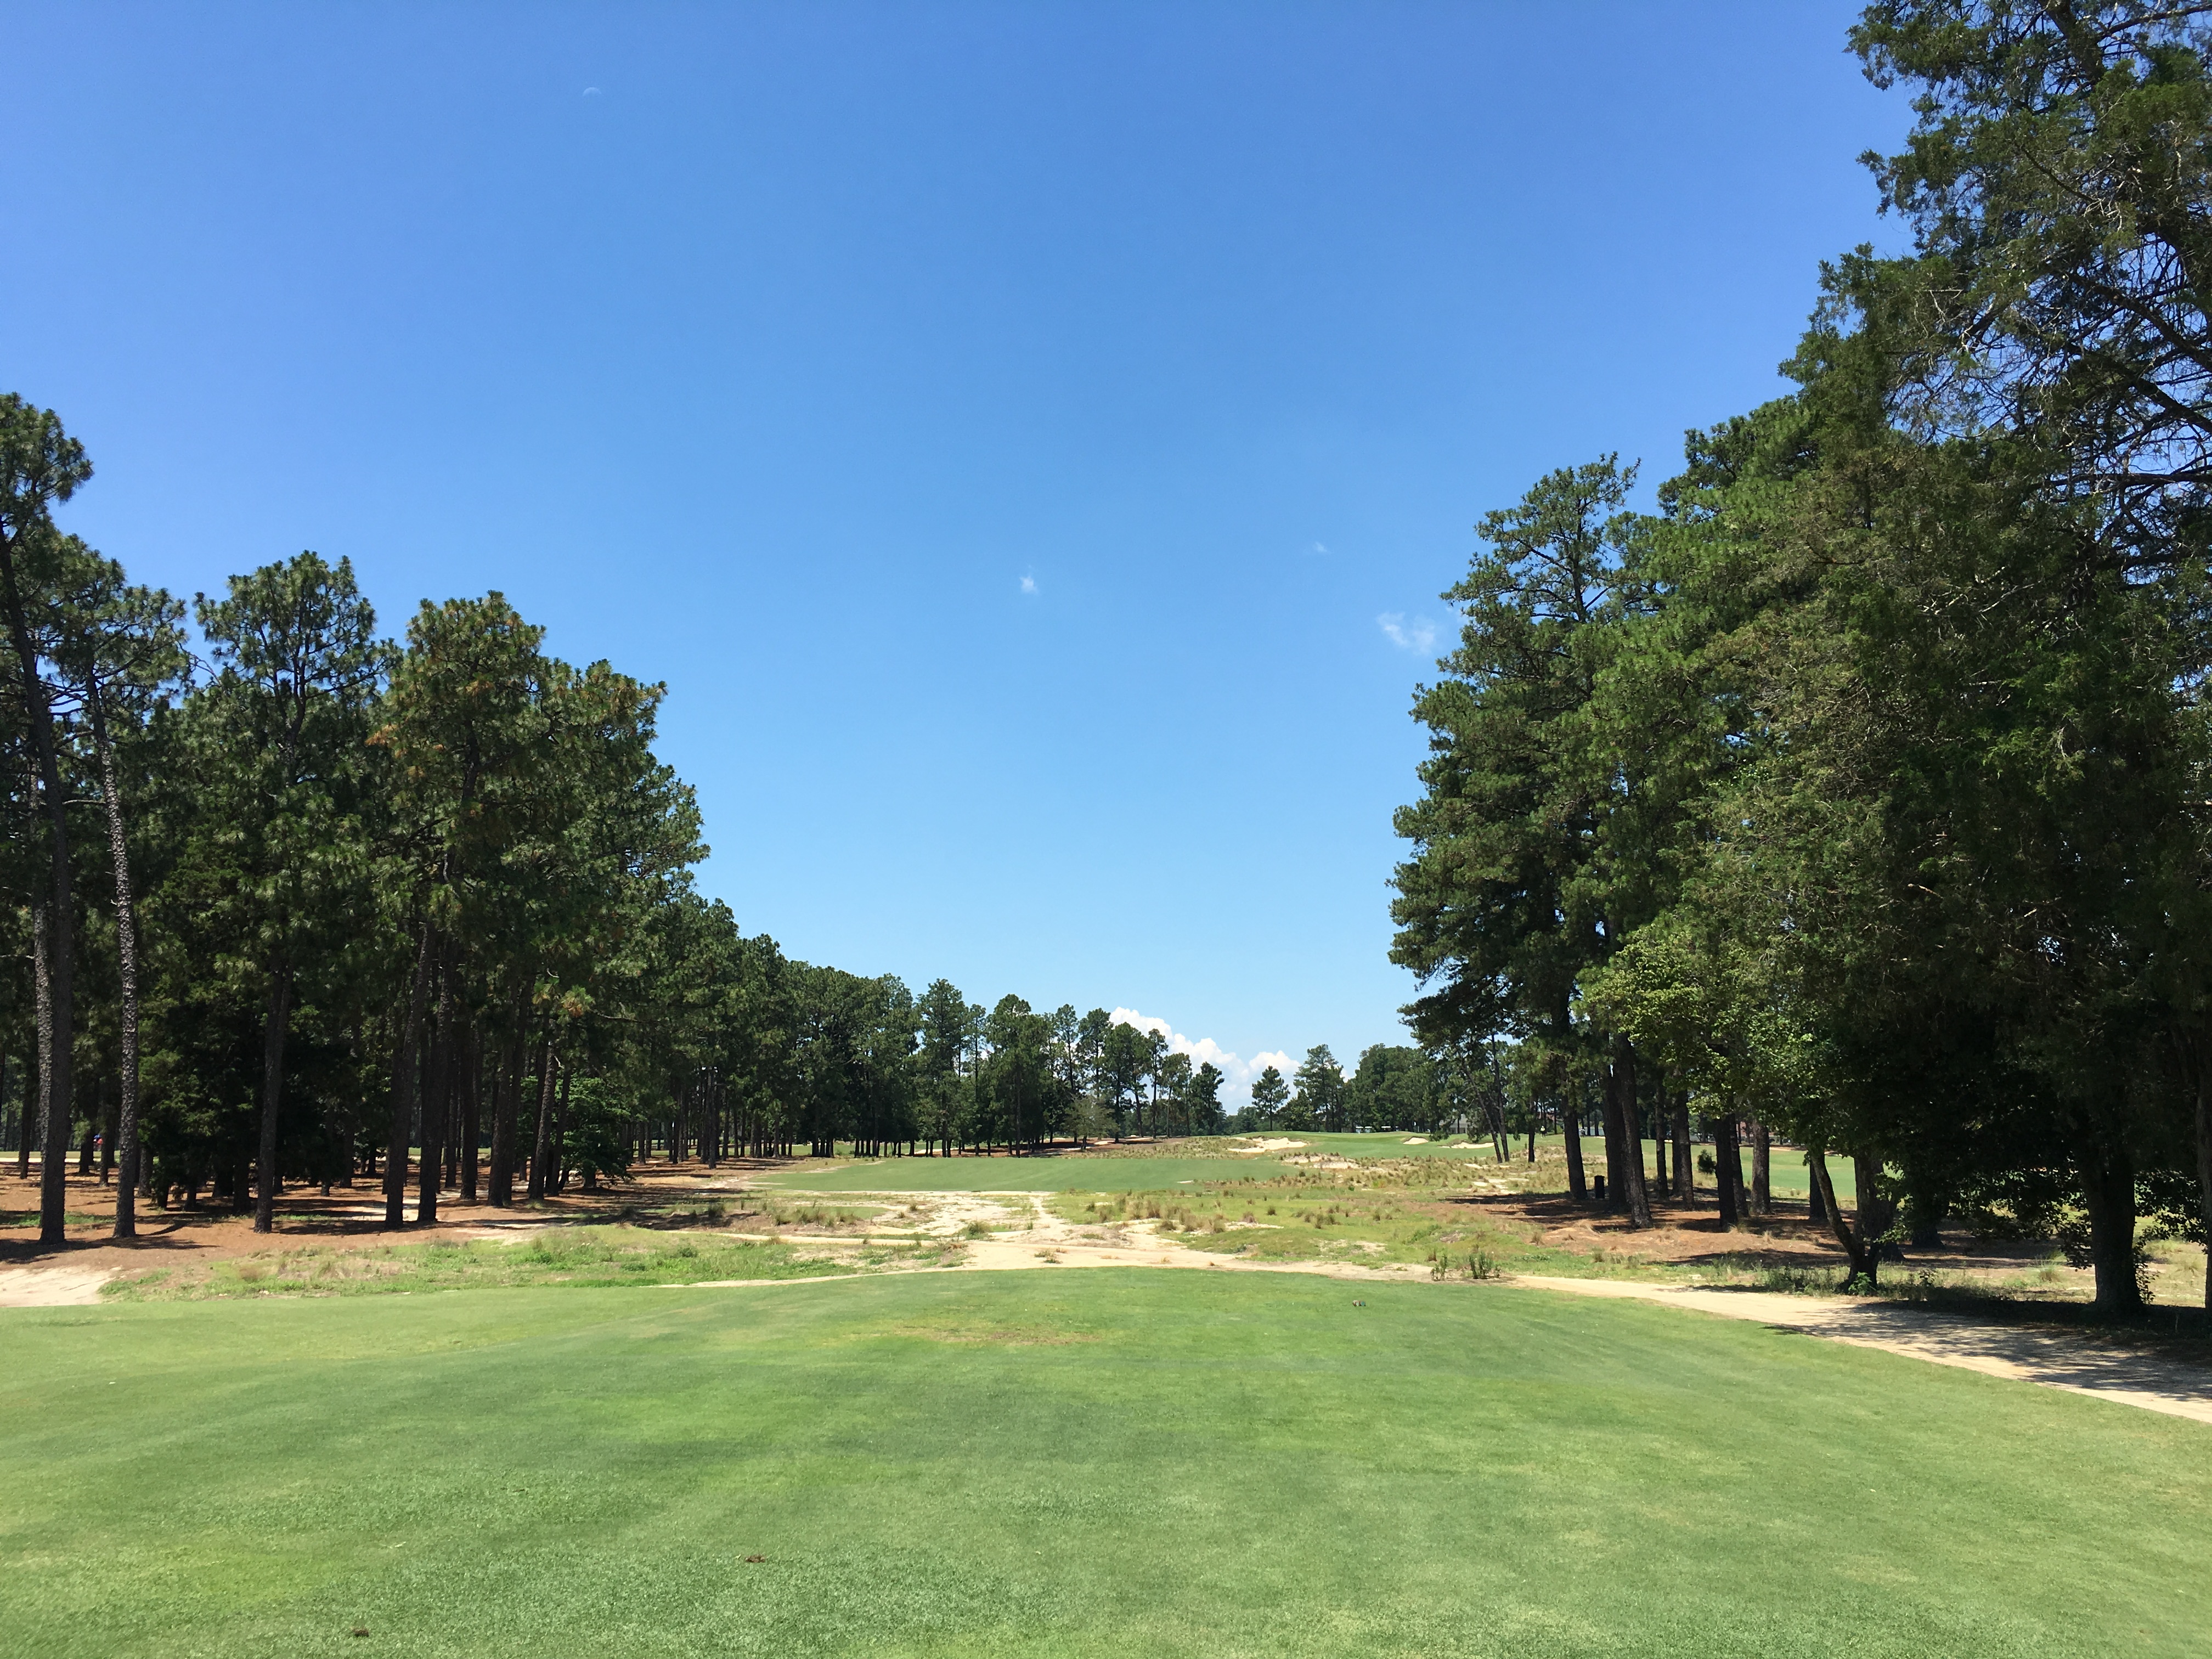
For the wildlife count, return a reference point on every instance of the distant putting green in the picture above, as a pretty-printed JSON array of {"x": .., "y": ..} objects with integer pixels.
[{"x": 1100, "y": 1463}]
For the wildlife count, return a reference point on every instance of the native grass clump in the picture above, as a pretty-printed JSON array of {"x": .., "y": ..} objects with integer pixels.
[
  {"x": 580, "y": 1256},
  {"x": 1299, "y": 1219}
]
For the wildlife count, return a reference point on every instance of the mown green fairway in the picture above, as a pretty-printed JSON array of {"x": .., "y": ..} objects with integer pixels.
[
  {"x": 1105, "y": 1173},
  {"x": 1093, "y": 1462},
  {"x": 1020, "y": 1175}
]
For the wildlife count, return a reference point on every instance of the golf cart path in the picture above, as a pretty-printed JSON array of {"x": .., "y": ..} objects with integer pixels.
[{"x": 2051, "y": 1358}]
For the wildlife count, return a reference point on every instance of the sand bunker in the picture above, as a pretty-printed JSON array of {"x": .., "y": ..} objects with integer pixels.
[{"x": 52, "y": 1287}]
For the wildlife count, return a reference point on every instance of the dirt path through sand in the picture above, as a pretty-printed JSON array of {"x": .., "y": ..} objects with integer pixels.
[{"x": 1024, "y": 1233}]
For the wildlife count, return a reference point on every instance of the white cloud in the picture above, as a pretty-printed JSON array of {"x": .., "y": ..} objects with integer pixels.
[
  {"x": 1321, "y": 548},
  {"x": 1029, "y": 586},
  {"x": 1240, "y": 1073},
  {"x": 1417, "y": 634}
]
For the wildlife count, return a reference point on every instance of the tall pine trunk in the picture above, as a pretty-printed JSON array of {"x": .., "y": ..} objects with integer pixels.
[
  {"x": 504, "y": 1107},
  {"x": 1865, "y": 1262},
  {"x": 53, "y": 1058},
  {"x": 543, "y": 1145},
  {"x": 406, "y": 1078},
  {"x": 279, "y": 1017},
  {"x": 1635, "y": 1199},
  {"x": 2108, "y": 1193},
  {"x": 560, "y": 1181},
  {"x": 1725, "y": 1160},
  {"x": 1877, "y": 1214},
  {"x": 57, "y": 1035},
  {"x": 472, "y": 1115},
  {"x": 438, "y": 1079},
  {"x": 711, "y": 1132},
  {"x": 1571, "y": 1135},
  {"x": 1762, "y": 1171},
  {"x": 29, "y": 1126},
  {"x": 1686, "y": 1157},
  {"x": 2205, "y": 1170},
  {"x": 127, "y": 1153},
  {"x": 1616, "y": 1189},
  {"x": 1570, "y": 1123}
]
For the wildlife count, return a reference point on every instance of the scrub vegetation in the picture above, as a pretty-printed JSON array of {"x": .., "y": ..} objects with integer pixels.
[{"x": 584, "y": 1256}]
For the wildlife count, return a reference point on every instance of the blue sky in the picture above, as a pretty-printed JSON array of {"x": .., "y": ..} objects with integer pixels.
[{"x": 1029, "y": 440}]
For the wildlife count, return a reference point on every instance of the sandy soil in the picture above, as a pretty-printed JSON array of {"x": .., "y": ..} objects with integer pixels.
[
  {"x": 1025, "y": 1234},
  {"x": 52, "y": 1287}
]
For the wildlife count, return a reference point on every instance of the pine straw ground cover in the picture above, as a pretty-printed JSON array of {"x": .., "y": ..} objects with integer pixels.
[
  {"x": 1098, "y": 1463},
  {"x": 575, "y": 1256}
]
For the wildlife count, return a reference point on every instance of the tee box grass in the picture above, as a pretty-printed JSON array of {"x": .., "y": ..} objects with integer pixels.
[{"x": 1093, "y": 1462}]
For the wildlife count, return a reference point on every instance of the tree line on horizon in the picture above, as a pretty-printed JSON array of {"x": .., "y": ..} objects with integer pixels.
[
  {"x": 325, "y": 906},
  {"x": 315, "y": 906},
  {"x": 1864, "y": 787}
]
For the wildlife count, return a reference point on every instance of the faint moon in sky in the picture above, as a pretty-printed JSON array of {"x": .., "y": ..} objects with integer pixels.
[{"x": 590, "y": 92}]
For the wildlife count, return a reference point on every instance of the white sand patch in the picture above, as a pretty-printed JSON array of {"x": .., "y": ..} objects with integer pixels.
[{"x": 52, "y": 1287}]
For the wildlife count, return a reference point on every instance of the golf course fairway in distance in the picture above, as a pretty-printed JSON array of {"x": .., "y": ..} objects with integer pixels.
[
  {"x": 1020, "y": 1175},
  {"x": 1108, "y": 1462}
]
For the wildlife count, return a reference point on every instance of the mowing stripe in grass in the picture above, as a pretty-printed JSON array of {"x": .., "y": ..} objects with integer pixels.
[{"x": 1091, "y": 1463}]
